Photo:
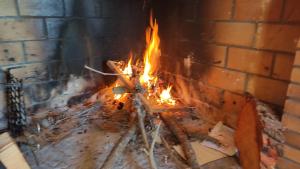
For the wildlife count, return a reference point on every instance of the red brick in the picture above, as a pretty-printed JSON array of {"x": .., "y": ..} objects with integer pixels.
[
  {"x": 270, "y": 90},
  {"x": 297, "y": 58},
  {"x": 292, "y": 107},
  {"x": 283, "y": 163},
  {"x": 215, "y": 53},
  {"x": 292, "y": 138},
  {"x": 294, "y": 91},
  {"x": 291, "y": 10},
  {"x": 215, "y": 9},
  {"x": 295, "y": 75},
  {"x": 277, "y": 37},
  {"x": 251, "y": 61},
  {"x": 226, "y": 79},
  {"x": 234, "y": 33},
  {"x": 291, "y": 153},
  {"x": 210, "y": 94},
  {"x": 291, "y": 122},
  {"x": 262, "y": 10},
  {"x": 283, "y": 66}
]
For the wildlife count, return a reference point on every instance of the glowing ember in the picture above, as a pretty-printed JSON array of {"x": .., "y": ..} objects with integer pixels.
[
  {"x": 151, "y": 55},
  {"x": 165, "y": 97}
]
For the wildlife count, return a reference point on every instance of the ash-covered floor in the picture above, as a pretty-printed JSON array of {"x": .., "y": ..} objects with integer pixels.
[{"x": 83, "y": 137}]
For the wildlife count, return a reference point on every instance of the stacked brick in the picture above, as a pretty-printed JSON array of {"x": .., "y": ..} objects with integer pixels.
[
  {"x": 291, "y": 120},
  {"x": 35, "y": 32},
  {"x": 252, "y": 46}
]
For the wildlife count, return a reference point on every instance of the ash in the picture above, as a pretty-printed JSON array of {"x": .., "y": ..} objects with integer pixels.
[{"x": 81, "y": 137}]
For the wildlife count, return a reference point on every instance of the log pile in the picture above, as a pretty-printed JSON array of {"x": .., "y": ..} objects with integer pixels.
[{"x": 143, "y": 110}]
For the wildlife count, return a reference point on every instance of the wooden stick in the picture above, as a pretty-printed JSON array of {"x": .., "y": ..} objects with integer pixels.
[
  {"x": 183, "y": 139},
  {"x": 119, "y": 148},
  {"x": 189, "y": 152},
  {"x": 122, "y": 77},
  {"x": 150, "y": 108},
  {"x": 141, "y": 117},
  {"x": 180, "y": 162},
  {"x": 151, "y": 150}
]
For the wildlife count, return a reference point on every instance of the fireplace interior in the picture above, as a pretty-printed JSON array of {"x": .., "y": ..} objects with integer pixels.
[{"x": 154, "y": 84}]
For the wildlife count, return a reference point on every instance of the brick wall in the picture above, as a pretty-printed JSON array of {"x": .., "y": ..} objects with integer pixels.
[
  {"x": 291, "y": 120},
  {"x": 52, "y": 39},
  {"x": 251, "y": 47}
]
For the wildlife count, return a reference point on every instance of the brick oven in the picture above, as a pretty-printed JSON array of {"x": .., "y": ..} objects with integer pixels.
[{"x": 216, "y": 53}]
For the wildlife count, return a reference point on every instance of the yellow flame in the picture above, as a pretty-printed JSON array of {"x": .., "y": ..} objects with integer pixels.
[
  {"x": 117, "y": 96},
  {"x": 152, "y": 54},
  {"x": 166, "y": 97},
  {"x": 128, "y": 69}
]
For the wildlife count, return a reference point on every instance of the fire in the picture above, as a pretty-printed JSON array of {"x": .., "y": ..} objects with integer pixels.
[
  {"x": 117, "y": 96},
  {"x": 166, "y": 97},
  {"x": 128, "y": 69},
  {"x": 148, "y": 77},
  {"x": 151, "y": 55}
]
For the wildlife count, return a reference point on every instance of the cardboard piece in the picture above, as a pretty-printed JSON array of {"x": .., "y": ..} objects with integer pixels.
[
  {"x": 225, "y": 136},
  {"x": 204, "y": 154}
]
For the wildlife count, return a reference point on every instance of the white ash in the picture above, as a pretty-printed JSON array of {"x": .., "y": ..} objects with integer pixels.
[{"x": 74, "y": 86}]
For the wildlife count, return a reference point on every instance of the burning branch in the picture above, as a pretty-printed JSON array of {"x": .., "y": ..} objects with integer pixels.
[{"x": 103, "y": 73}]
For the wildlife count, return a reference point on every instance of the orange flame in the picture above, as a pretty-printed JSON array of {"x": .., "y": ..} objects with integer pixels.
[
  {"x": 117, "y": 96},
  {"x": 152, "y": 54},
  {"x": 166, "y": 97},
  {"x": 128, "y": 69}
]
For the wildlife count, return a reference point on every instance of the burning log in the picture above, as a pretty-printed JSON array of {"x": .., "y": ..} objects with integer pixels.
[
  {"x": 142, "y": 101},
  {"x": 122, "y": 77},
  {"x": 183, "y": 139},
  {"x": 159, "y": 109}
]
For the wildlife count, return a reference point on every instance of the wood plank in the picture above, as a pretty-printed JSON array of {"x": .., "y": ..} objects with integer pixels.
[
  {"x": 248, "y": 136},
  {"x": 10, "y": 155}
]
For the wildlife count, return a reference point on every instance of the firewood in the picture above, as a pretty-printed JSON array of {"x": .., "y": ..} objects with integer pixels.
[
  {"x": 180, "y": 162},
  {"x": 248, "y": 136},
  {"x": 121, "y": 76},
  {"x": 141, "y": 117},
  {"x": 119, "y": 147},
  {"x": 183, "y": 139},
  {"x": 151, "y": 150}
]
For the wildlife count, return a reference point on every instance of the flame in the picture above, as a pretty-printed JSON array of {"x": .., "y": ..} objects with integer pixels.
[
  {"x": 117, "y": 96},
  {"x": 166, "y": 97},
  {"x": 148, "y": 77},
  {"x": 128, "y": 69},
  {"x": 151, "y": 55}
]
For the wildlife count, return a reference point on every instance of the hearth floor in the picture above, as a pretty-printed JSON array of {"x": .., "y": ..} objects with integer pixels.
[{"x": 89, "y": 139}]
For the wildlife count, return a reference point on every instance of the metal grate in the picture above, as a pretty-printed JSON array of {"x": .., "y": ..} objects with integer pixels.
[{"x": 16, "y": 112}]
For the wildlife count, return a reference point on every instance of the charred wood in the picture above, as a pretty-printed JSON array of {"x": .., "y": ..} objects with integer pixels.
[
  {"x": 119, "y": 147},
  {"x": 183, "y": 139}
]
